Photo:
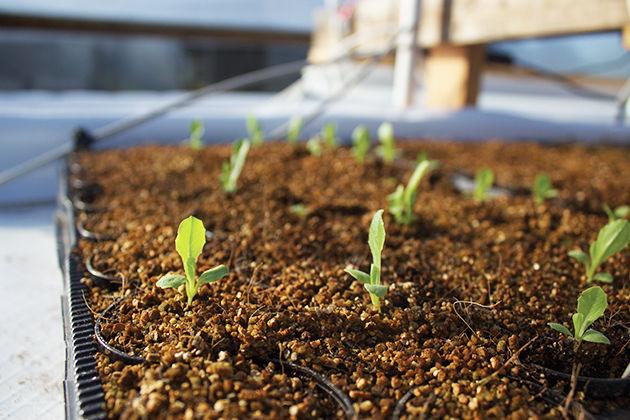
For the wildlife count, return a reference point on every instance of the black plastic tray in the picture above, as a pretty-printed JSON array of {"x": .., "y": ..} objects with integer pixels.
[{"x": 83, "y": 391}]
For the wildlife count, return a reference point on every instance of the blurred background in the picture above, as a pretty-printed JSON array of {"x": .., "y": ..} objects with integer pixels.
[{"x": 510, "y": 69}]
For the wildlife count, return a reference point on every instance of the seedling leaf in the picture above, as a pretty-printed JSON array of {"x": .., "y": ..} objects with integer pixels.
[
  {"x": 560, "y": 328},
  {"x": 379, "y": 290},
  {"x": 484, "y": 179},
  {"x": 196, "y": 133},
  {"x": 579, "y": 256},
  {"x": 295, "y": 127},
  {"x": 592, "y": 304},
  {"x": 358, "y": 275},
  {"x": 543, "y": 189},
  {"x": 299, "y": 209},
  {"x": 595, "y": 337},
  {"x": 387, "y": 148},
  {"x": 214, "y": 274},
  {"x": 171, "y": 281},
  {"x": 191, "y": 237},
  {"x": 402, "y": 200},
  {"x": 314, "y": 146},
  {"x": 254, "y": 130},
  {"x": 618, "y": 213},
  {"x": 611, "y": 239},
  {"x": 376, "y": 237},
  {"x": 361, "y": 143},
  {"x": 603, "y": 277},
  {"x": 231, "y": 169},
  {"x": 329, "y": 134}
]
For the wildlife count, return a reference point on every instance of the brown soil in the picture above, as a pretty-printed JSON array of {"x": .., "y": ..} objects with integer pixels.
[{"x": 469, "y": 284}]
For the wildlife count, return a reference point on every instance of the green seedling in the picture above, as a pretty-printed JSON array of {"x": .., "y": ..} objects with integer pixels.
[
  {"x": 195, "y": 141},
  {"x": 483, "y": 182},
  {"x": 191, "y": 237},
  {"x": 329, "y": 135},
  {"x": 618, "y": 213},
  {"x": 543, "y": 189},
  {"x": 254, "y": 130},
  {"x": 231, "y": 169},
  {"x": 360, "y": 143},
  {"x": 422, "y": 156},
  {"x": 314, "y": 146},
  {"x": 591, "y": 305},
  {"x": 299, "y": 209},
  {"x": 402, "y": 200},
  {"x": 293, "y": 132},
  {"x": 387, "y": 149},
  {"x": 611, "y": 239},
  {"x": 372, "y": 281}
]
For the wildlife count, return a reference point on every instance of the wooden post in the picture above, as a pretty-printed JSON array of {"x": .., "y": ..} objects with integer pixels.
[
  {"x": 453, "y": 75},
  {"x": 404, "y": 67}
]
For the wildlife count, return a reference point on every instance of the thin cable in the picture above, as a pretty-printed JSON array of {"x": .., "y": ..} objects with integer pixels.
[
  {"x": 232, "y": 83},
  {"x": 120, "y": 126},
  {"x": 36, "y": 162},
  {"x": 565, "y": 81},
  {"x": 363, "y": 71}
]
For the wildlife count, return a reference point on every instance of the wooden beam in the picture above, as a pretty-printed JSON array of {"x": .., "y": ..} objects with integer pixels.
[
  {"x": 464, "y": 22},
  {"x": 259, "y": 36},
  {"x": 453, "y": 76}
]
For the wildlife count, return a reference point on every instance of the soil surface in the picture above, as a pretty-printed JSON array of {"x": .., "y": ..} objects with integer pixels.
[{"x": 472, "y": 286}]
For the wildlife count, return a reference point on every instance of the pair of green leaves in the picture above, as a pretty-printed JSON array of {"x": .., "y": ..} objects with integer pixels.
[
  {"x": 617, "y": 213},
  {"x": 591, "y": 306},
  {"x": 254, "y": 130},
  {"x": 402, "y": 200},
  {"x": 387, "y": 147},
  {"x": 484, "y": 178},
  {"x": 543, "y": 189},
  {"x": 360, "y": 143},
  {"x": 191, "y": 237},
  {"x": 232, "y": 168},
  {"x": 611, "y": 239},
  {"x": 372, "y": 281},
  {"x": 195, "y": 141}
]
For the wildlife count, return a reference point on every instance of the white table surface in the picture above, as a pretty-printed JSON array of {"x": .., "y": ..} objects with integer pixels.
[{"x": 32, "y": 355}]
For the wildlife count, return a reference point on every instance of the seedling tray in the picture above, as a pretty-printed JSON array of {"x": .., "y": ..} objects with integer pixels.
[{"x": 83, "y": 390}]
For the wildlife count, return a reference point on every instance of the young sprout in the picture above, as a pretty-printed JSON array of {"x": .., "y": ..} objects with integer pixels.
[
  {"x": 422, "y": 156},
  {"x": 314, "y": 146},
  {"x": 195, "y": 141},
  {"x": 329, "y": 134},
  {"x": 299, "y": 209},
  {"x": 293, "y": 132},
  {"x": 543, "y": 189},
  {"x": 483, "y": 182},
  {"x": 372, "y": 281},
  {"x": 611, "y": 239},
  {"x": 231, "y": 169},
  {"x": 591, "y": 305},
  {"x": 620, "y": 212},
  {"x": 402, "y": 200},
  {"x": 361, "y": 143},
  {"x": 387, "y": 148},
  {"x": 191, "y": 237},
  {"x": 255, "y": 130}
]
